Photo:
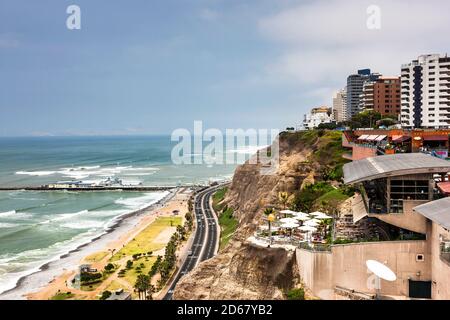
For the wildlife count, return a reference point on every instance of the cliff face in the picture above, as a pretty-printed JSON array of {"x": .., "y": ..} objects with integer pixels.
[{"x": 242, "y": 270}]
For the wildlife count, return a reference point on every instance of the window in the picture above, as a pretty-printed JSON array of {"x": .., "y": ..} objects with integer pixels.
[
  {"x": 445, "y": 248},
  {"x": 420, "y": 257}
]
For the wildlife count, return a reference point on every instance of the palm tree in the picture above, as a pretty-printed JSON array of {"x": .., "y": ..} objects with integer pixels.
[
  {"x": 283, "y": 198},
  {"x": 269, "y": 213},
  {"x": 181, "y": 232},
  {"x": 151, "y": 291},
  {"x": 142, "y": 284}
]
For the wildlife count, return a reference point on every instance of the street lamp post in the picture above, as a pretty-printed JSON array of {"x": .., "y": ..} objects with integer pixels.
[{"x": 271, "y": 218}]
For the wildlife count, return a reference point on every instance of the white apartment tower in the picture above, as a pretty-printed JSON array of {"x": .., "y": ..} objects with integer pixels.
[
  {"x": 425, "y": 92},
  {"x": 340, "y": 105}
]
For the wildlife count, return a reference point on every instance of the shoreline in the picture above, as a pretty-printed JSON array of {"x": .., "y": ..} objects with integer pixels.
[{"x": 45, "y": 274}]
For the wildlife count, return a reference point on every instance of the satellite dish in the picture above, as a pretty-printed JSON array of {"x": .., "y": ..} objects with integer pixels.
[{"x": 381, "y": 270}]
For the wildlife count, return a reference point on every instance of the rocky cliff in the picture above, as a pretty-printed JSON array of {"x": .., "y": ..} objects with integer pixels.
[{"x": 242, "y": 270}]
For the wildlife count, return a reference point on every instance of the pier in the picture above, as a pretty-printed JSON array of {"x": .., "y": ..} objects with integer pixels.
[{"x": 106, "y": 188}]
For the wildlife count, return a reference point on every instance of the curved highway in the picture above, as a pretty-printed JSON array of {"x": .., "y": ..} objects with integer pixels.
[{"x": 205, "y": 244}]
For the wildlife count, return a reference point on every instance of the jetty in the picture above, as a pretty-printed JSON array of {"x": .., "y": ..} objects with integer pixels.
[{"x": 98, "y": 188}]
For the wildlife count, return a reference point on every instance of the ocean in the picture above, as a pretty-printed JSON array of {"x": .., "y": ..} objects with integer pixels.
[{"x": 38, "y": 227}]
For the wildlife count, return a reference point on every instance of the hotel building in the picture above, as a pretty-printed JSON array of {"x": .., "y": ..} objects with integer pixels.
[{"x": 425, "y": 92}]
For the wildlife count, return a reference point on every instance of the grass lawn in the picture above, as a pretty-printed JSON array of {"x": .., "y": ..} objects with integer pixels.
[
  {"x": 144, "y": 241},
  {"x": 62, "y": 296},
  {"x": 333, "y": 196},
  {"x": 98, "y": 256},
  {"x": 228, "y": 225},
  {"x": 91, "y": 287},
  {"x": 217, "y": 198},
  {"x": 113, "y": 286},
  {"x": 131, "y": 275}
]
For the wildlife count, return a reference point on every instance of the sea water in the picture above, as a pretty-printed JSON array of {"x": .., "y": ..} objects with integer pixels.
[{"x": 38, "y": 227}]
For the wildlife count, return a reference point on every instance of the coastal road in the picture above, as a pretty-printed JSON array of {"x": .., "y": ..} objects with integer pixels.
[{"x": 205, "y": 243}]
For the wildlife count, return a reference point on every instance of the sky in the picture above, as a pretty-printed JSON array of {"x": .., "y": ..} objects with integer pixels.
[{"x": 152, "y": 66}]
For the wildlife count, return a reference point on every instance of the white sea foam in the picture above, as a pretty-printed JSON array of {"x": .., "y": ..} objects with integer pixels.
[
  {"x": 84, "y": 224},
  {"x": 13, "y": 215},
  {"x": 15, "y": 266},
  {"x": 7, "y": 214},
  {"x": 5, "y": 225},
  {"x": 36, "y": 173},
  {"x": 141, "y": 202}
]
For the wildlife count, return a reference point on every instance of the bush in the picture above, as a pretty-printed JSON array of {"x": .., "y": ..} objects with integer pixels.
[
  {"x": 296, "y": 294},
  {"x": 109, "y": 267},
  {"x": 105, "y": 295},
  {"x": 87, "y": 277},
  {"x": 129, "y": 264},
  {"x": 304, "y": 199}
]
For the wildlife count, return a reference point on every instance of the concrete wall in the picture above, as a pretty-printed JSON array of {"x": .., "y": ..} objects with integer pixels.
[
  {"x": 408, "y": 219},
  {"x": 440, "y": 269},
  {"x": 345, "y": 266},
  {"x": 316, "y": 270},
  {"x": 350, "y": 271},
  {"x": 359, "y": 153}
]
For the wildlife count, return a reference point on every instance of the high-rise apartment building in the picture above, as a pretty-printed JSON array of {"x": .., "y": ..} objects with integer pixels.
[
  {"x": 340, "y": 105},
  {"x": 355, "y": 85},
  {"x": 425, "y": 92},
  {"x": 381, "y": 95}
]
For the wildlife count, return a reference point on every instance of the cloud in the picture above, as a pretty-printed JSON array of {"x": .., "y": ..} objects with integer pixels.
[{"x": 321, "y": 42}]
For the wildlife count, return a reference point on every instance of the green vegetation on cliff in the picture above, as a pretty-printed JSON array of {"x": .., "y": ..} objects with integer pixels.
[
  {"x": 227, "y": 221},
  {"x": 327, "y": 150},
  {"x": 327, "y": 161}
]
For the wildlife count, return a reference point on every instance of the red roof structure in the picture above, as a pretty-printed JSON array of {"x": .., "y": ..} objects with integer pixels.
[{"x": 444, "y": 187}]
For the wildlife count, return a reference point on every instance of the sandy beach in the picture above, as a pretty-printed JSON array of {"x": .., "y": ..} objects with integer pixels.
[{"x": 55, "y": 275}]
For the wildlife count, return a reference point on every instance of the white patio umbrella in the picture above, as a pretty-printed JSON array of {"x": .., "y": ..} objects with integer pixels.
[
  {"x": 311, "y": 223},
  {"x": 300, "y": 214},
  {"x": 290, "y": 225},
  {"x": 288, "y": 212},
  {"x": 300, "y": 218},
  {"x": 323, "y": 217},
  {"x": 307, "y": 228},
  {"x": 288, "y": 220},
  {"x": 316, "y": 213}
]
